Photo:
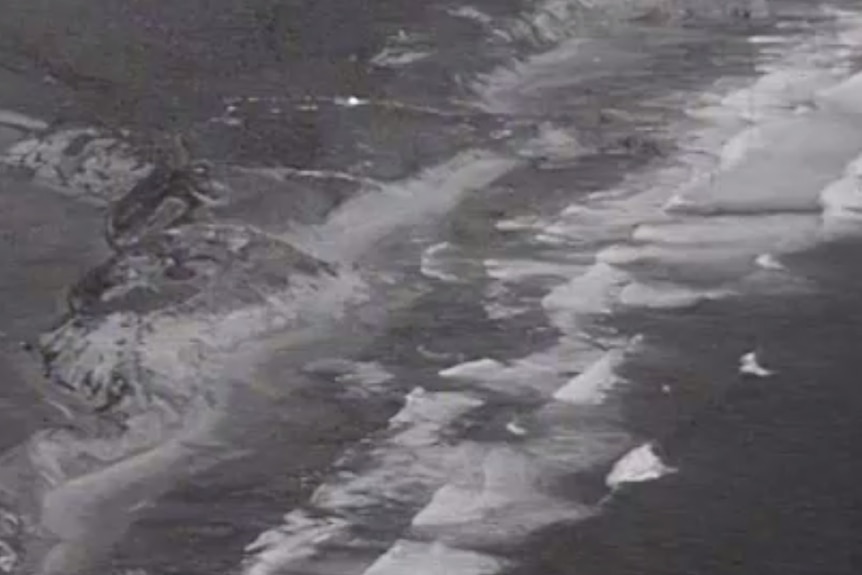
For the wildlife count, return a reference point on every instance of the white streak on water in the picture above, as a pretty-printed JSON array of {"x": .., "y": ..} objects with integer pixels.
[
  {"x": 498, "y": 501},
  {"x": 417, "y": 558},
  {"x": 518, "y": 270},
  {"x": 479, "y": 368},
  {"x": 296, "y": 540},
  {"x": 518, "y": 224},
  {"x": 516, "y": 429},
  {"x": 21, "y": 121},
  {"x": 395, "y": 57},
  {"x": 749, "y": 365},
  {"x": 658, "y": 295},
  {"x": 769, "y": 262},
  {"x": 592, "y": 385},
  {"x": 433, "y": 263},
  {"x": 399, "y": 468},
  {"x": 369, "y": 217},
  {"x": 842, "y": 203},
  {"x": 8, "y": 558},
  {"x": 594, "y": 292},
  {"x": 501, "y": 491},
  {"x": 639, "y": 465}
]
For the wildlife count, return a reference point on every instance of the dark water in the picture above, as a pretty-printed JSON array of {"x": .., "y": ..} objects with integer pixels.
[{"x": 769, "y": 468}]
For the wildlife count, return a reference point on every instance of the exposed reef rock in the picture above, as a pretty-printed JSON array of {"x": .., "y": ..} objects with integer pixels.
[
  {"x": 145, "y": 322},
  {"x": 85, "y": 163}
]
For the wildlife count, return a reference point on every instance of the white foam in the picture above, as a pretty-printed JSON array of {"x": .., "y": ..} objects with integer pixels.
[
  {"x": 408, "y": 460},
  {"x": 845, "y": 98},
  {"x": 394, "y": 57},
  {"x": 436, "y": 408},
  {"x": 9, "y": 522},
  {"x": 434, "y": 559},
  {"x": 592, "y": 385},
  {"x": 657, "y": 295},
  {"x": 8, "y": 558},
  {"x": 769, "y": 262},
  {"x": 843, "y": 198},
  {"x": 553, "y": 144},
  {"x": 497, "y": 310},
  {"x": 842, "y": 201},
  {"x": 539, "y": 373},
  {"x": 498, "y": 502},
  {"x": 367, "y": 374},
  {"x": 749, "y": 365},
  {"x": 518, "y": 270},
  {"x": 715, "y": 249},
  {"x": 502, "y": 496},
  {"x": 786, "y": 232},
  {"x": 803, "y": 157},
  {"x": 696, "y": 264},
  {"x": 398, "y": 468},
  {"x": 433, "y": 263},
  {"x": 361, "y": 379},
  {"x": 740, "y": 146},
  {"x": 436, "y": 355},
  {"x": 770, "y": 40},
  {"x": 679, "y": 203},
  {"x": 599, "y": 222},
  {"x": 296, "y": 541},
  {"x": 591, "y": 293},
  {"x": 470, "y": 13},
  {"x": 478, "y": 369},
  {"x": 398, "y": 474},
  {"x": 780, "y": 90},
  {"x": 569, "y": 440},
  {"x": 515, "y": 428},
  {"x": 368, "y": 217},
  {"x": 21, "y": 121},
  {"x": 505, "y": 300},
  {"x": 518, "y": 224},
  {"x": 639, "y": 465}
]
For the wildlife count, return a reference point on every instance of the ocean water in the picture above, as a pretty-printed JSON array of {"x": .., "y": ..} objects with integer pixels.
[
  {"x": 532, "y": 287},
  {"x": 767, "y": 472}
]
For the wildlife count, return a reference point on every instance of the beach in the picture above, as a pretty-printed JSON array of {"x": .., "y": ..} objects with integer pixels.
[{"x": 528, "y": 288}]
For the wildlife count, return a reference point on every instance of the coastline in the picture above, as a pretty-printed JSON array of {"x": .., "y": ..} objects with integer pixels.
[{"x": 324, "y": 306}]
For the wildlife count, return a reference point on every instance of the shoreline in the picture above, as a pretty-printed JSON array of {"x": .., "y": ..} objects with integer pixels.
[{"x": 455, "y": 183}]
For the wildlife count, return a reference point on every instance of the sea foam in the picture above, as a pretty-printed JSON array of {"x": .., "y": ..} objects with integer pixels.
[
  {"x": 496, "y": 503},
  {"x": 639, "y": 465},
  {"x": 592, "y": 385},
  {"x": 420, "y": 558}
]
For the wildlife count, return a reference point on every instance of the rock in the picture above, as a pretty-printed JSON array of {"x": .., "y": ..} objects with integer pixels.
[
  {"x": 85, "y": 163},
  {"x": 149, "y": 325}
]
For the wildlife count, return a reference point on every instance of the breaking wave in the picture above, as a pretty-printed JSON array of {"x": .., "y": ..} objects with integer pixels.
[{"x": 154, "y": 330}]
